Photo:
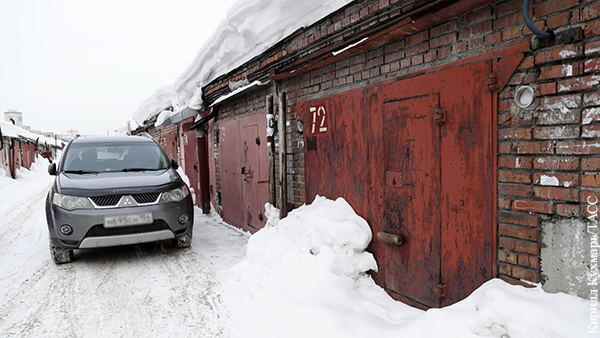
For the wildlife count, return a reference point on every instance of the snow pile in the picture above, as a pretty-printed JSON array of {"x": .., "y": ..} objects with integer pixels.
[
  {"x": 249, "y": 29},
  {"x": 186, "y": 180},
  {"x": 38, "y": 168},
  {"x": 272, "y": 215},
  {"x": 306, "y": 277},
  {"x": 498, "y": 309},
  {"x": 15, "y": 191}
]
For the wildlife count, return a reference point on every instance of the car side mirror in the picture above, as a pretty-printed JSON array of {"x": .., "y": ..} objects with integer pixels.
[
  {"x": 174, "y": 164},
  {"x": 52, "y": 169}
]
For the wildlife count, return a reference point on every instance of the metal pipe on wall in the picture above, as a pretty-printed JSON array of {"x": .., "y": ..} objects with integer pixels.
[
  {"x": 283, "y": 153},
  {"x": 271, "y": 150},
  {"x": 534, "y": 29},
  {"x": 203, "y": 169},
  {"x": 11, "y": 157}
]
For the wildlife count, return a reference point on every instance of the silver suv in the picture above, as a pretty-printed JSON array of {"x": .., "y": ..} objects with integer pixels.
[{"x": 116, "y": 190}]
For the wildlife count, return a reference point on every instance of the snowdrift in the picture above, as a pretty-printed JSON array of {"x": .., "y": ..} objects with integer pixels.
[{"x": 306, "y": 276}]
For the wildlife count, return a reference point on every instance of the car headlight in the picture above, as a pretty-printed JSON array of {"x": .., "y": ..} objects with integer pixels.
[
  {"x": 71, "y": 202},
  {"x": 174, "y": 195}
]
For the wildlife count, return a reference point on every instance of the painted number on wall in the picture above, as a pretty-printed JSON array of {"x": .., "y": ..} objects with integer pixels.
[{"x": 318, "y": 120}]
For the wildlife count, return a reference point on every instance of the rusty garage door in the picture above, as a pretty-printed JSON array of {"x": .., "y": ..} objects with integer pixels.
[
  {"x": 244, "y": 175},
  {"x": 414, "y": 157},
  {"x": 169, "y": 144},
  {"x": 190, "y": 163}
]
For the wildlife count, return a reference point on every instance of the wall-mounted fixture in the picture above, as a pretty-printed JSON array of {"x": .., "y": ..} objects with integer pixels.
[
  {"x": 532, "y": 28},
  {"x": 299, "y": 127},
  {"x": 524, "y": 96}
]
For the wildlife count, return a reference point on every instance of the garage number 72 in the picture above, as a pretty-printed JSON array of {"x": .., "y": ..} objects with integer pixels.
[{"x": 318, "y": 121}]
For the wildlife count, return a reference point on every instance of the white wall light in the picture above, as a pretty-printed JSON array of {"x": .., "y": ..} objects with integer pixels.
[{"x": 524, "y": 96}]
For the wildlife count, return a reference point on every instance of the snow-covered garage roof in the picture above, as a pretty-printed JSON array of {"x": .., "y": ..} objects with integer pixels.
[
  {"x": 249, "y": 29},
  {"x": 10, "y": 130}
]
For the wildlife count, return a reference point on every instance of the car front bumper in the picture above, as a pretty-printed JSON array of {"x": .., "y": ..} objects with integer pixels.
[{"x": 89, "y": 230}]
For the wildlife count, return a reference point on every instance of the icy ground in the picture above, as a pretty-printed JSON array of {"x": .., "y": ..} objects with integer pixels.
[{"x": 303, "y": 276}]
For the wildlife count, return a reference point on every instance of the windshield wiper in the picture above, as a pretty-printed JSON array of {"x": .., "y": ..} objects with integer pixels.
[
  {"x": 140, "y": 169},
  {"x": 80, "y": 172}
]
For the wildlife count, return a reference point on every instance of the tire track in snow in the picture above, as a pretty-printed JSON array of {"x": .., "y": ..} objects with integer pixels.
[
  {"x": 198, "y": 293},
  {"x": 17, "y": 223}
]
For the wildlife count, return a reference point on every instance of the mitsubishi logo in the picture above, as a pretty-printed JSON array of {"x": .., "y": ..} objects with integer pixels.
[{"x": 127, "y": 201}]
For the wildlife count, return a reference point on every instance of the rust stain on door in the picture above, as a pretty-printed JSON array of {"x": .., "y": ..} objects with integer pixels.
[{"x": 411, "y": 144}]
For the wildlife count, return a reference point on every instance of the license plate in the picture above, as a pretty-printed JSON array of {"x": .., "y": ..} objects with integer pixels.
[{"x": 125, "y": 220}]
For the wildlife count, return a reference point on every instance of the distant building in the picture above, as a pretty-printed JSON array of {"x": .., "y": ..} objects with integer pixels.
[
  {"x": 13, "y": 115},
  {"x": 72, "y": 132}
]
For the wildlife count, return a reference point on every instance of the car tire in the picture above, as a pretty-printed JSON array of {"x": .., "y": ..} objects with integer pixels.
[
  {"x": 60, "y": 255},
  {"x": 185, "y": 241}
]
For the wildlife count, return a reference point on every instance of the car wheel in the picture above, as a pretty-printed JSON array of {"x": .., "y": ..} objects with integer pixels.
[
  {"x": 185, "y": 241},
  {"x": 60, "y": 255}
]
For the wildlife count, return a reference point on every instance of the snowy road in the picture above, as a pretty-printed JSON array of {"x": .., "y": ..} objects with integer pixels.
[
  {"x": 146, "y": 290},
  {"x": 301, "y": 277}
]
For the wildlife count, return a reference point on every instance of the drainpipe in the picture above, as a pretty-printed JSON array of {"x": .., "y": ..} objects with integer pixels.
[
  {"x": 1, "y": 140},
  {"x": 545, "y": 35},
  {"x": 11, "y": 162},
  {"x": 283, "y": 154},
  {"x": 271, "y": 150}
]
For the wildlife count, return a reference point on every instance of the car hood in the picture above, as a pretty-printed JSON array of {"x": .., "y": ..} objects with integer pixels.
[{"x": 116, "y": 183}]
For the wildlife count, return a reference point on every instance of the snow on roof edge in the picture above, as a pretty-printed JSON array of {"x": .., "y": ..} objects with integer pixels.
[
  {"x": 10, "y": 130},
  {"x": 249, "y": 29}
]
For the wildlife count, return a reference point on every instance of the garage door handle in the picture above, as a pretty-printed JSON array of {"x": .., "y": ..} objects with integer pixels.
[{"x": 389, "y": 238}]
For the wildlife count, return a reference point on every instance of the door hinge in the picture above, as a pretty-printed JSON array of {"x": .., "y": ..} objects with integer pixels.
[
  {"x": 493, "y": 81},
  {"x": 439, "y": 115},
  {"x": 441, "y": 290}
]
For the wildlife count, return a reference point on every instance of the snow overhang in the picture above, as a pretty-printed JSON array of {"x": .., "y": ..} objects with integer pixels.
[
  {"x": 177, "y": 117},
  {"x": 12, "y": 131},
  {"x": 245, "y": 89},
  {"x": 9, "y": 130}
]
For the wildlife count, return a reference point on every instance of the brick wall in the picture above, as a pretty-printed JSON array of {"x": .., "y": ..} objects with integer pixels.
[{"x": 548, "y": 153}]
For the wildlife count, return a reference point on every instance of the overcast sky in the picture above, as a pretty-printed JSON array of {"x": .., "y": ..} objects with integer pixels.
[{"x": 87, "y": 65}]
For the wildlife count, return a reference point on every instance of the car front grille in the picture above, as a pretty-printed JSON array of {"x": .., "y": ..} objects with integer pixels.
[
  {"x": 113, "y": 200},
  {"x": 106, "y": 201},
  {"x": 146, "y": 198}
]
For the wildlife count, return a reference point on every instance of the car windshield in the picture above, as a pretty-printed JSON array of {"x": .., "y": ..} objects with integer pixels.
[{"x": 86, "y": 158}]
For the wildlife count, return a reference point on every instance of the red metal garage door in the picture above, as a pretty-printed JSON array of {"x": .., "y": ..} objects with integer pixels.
[
  {"x": 191, "y": 162},
  {"x": 414, "y": 157},
  {"x": 411, "y": 197},
  {"x": 244, "y": 175},
  {"x": 169, "y": 144}
]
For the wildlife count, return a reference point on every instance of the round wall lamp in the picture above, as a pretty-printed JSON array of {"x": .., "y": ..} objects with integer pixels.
[{"x": 524, "y": 96}]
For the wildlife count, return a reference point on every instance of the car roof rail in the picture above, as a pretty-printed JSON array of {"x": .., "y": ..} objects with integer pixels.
[{"x": 145, "y": 135}]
